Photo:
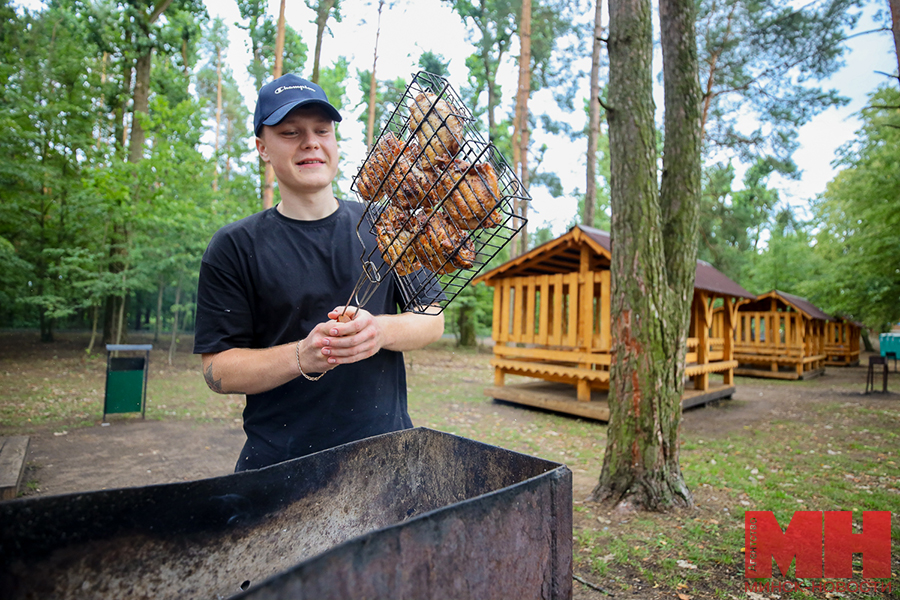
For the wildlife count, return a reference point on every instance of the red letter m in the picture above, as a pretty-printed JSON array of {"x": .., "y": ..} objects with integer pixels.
[
  {"x": 874, "y": 542},
  {"x": 802, "y": 539}
]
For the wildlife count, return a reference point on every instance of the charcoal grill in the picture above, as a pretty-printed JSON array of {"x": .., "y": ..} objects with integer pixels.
[
  {"x": 412, "y": 514},
  {"x": 441, "y": 176}
]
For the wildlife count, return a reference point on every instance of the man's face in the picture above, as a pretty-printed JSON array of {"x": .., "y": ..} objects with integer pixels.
[{"x": 302, "y": 150}]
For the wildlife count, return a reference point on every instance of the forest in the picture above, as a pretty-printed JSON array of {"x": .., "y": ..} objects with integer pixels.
[{"x": 127, "y": 143}]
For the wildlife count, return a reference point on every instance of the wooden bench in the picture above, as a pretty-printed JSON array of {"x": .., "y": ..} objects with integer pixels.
[{"x": 12, "y": 465}]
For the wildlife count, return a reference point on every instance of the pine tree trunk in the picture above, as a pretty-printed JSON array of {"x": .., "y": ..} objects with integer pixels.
[
  {"x": 215, "y": 185},
  {"x": 640, "y": 467},
  {"x": 269, "y": 180},
  {"x": 373, "y": 85},
  {"x": 590, "y": 193},
  {"x": 520, "y": 118},
  {"x": 322, "y": 15}
]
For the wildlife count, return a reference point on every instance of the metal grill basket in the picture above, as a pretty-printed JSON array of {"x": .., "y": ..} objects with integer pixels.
[{"x": 440, "y": 200}]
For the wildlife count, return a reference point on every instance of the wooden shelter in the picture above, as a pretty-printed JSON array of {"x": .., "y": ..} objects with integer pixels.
[
  {"x": 842, "y": 342},
  {"x": 551, "y": 323},
  {"x": 781, "y": 336}
]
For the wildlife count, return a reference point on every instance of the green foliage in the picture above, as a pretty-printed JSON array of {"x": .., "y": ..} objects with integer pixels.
[
  {"x": 434, "y": 63},
  {"x": 859, "y": 221},
  {"x": 788, "y": 261},
  {"x": 757, "y": 59},
  {"x": 262, "y": 29},
  {"x": 387, "y": 93},
  {"x": 79, "y": 224},
  {"x": 733, "y": 222}
]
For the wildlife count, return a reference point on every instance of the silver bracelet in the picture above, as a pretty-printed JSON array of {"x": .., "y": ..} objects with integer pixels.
[{"x": 317, "y": 377}]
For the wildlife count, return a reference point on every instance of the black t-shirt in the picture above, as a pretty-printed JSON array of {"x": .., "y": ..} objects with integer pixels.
[{"x": 268, "y": 280}]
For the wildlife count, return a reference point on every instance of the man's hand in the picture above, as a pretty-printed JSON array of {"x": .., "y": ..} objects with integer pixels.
[{"x": 351, "y": 336}]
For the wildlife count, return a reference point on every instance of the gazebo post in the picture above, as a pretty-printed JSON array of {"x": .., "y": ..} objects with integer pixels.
[{"x": 701, "y": 382}]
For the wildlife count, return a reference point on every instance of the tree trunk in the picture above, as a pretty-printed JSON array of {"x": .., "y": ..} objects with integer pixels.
[
  {"x": 322, "y": 15},
  {"x": 174, "y": 340},
  {"x": 590, "y": 193},
  {"x": 215, "y": 185},
  {"x": 120, "y": 328},
  {"x": 373, "y": 85},
  {"x": 159, "y": 302},
  {"x": 895, "y": 25},
  {"x": 520, "y": 118},
  {"x": 141, "y": 105},
  {"x": 93, "y": 329},
  {"x": 867, "y": 343},
  {"x": 490, "y": 77},
  {"x": 649, "y": 295},
  {"x": 466, "y": 325},
  {"x": 680, "y": 190},
  {"x": 121, "y": 129},
  {"x": 279, "y": 43},
  {"x": 269, "y": 179},
  {"x": 137, "y": 310}
]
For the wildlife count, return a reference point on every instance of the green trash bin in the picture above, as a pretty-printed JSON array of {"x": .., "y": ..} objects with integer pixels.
[{"x": 126, "y": 379}]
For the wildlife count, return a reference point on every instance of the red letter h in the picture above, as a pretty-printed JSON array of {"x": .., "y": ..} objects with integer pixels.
[{"x": 840, "y": 544}]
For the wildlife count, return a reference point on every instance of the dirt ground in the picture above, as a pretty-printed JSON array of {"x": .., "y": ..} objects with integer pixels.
[{"x": 131, "y": 452}]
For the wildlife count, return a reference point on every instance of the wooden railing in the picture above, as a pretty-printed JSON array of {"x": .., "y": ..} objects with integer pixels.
[{"x": 564, "y": 310}]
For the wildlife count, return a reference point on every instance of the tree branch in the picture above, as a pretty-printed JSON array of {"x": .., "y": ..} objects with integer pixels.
[
  {"x": 158, "y": 10},
  {"x": 891, "y": 75}
]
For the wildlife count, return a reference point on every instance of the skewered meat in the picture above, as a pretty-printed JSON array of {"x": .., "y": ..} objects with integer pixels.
[
  {"x": 472, "y": 203},
  {"x": 438, "y": 242},
  {"x": 438, "y": 129},
  {"x": 392, "y": 170},
  {"x": 393, "y": 240}
]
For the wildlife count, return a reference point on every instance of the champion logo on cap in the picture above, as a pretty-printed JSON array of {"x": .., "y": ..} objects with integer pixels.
[{"x": 293, "y": 87}]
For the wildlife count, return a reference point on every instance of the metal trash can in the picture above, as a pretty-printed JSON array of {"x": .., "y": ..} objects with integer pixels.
[
  {"x": 126, "y": 379},
  {"x": 412, "y": 514}
]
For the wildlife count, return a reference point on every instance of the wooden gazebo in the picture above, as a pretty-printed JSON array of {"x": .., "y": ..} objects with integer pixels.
[
  {"x": 551, "y": 324},
  {"x": 842, "y": 342},
  {"x": 780, "y": 336}
]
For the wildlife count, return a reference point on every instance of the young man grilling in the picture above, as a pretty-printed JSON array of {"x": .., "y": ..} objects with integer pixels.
[{"x": 272, "y": 286}]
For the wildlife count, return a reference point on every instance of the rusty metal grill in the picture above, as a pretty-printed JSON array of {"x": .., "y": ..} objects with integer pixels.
[{"x": 440, "y": 200}]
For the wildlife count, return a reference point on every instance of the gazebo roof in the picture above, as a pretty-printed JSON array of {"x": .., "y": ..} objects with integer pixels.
[
  {"x": 563, "y": 255},
  {"x": 800, "y": 304}
]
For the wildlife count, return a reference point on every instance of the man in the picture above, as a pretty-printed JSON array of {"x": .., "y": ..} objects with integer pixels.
[{"x": 271, "y": 290}]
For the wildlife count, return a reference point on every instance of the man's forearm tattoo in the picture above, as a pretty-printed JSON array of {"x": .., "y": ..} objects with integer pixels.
[{"x": 214, "y": 384}]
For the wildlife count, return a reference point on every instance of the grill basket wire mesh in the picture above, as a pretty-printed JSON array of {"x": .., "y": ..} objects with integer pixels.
[{"x": 434, "y": 178}]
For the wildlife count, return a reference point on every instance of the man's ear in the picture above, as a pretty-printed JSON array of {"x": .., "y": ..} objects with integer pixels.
[{"x": 261, "y": 148}]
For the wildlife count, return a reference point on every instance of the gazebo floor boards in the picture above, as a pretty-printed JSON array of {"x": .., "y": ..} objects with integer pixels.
[
  {"x": 767, "y": 374},
  {"x": 561, "y": 397}
]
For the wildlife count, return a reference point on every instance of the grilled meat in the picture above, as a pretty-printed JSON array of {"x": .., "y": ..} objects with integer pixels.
[
  {"x": 437, "y": 127},
  {"x": 393, "y": 239},
  {"x": 391, "y": 170},
  {"x": 438, "y": 242},
  {"x": 474, "y": 201}
]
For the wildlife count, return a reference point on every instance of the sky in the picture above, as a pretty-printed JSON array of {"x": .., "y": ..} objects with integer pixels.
[{"x": 410, "y": 28}]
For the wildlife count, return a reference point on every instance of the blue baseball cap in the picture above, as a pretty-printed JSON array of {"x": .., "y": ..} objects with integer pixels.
[{"x": 278, "y": 98}]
